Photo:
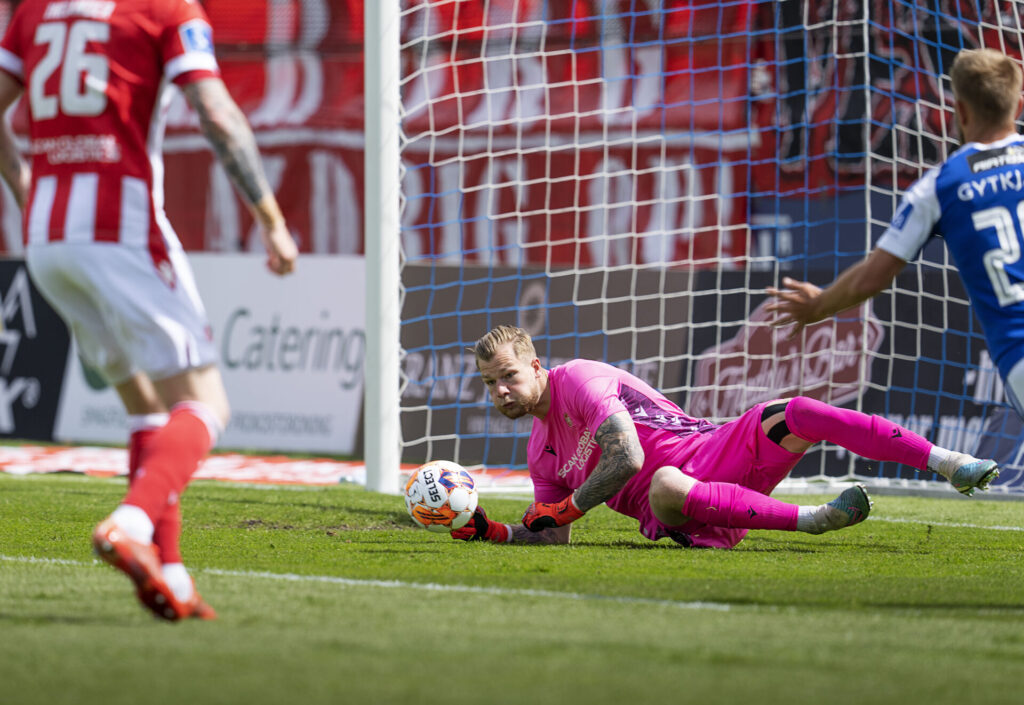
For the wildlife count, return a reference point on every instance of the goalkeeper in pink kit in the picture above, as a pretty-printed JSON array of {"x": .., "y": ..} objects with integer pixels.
[{"x": 603, "y": 436}]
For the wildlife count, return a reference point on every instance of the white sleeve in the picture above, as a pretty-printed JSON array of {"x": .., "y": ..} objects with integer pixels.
[
  {"x": 12, "y": 64},
  {"x": 914, "y": 221}
]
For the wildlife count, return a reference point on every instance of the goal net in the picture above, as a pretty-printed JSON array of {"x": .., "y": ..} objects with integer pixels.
[{"x": 623, "y": 178}]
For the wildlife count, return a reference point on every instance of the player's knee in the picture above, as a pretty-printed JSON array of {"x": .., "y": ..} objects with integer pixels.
[
  {"x": 778, "y": 420},
  {"x": 802, "y": 412},
  {"x": 773, "y": 421},
  {"x": 669, "y": 487},
  {"x": 215, "y": 412},
  {"x": 225, "y": 415}
]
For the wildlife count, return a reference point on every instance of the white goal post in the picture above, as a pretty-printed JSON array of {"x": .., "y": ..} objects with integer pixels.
[{"x": 382, "y": 437}]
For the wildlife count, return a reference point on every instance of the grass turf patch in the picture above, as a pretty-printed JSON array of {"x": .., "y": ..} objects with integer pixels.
[{"x": 332, "y": 595}]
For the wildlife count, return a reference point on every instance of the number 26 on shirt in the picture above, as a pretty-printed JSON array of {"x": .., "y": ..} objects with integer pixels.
[{"x": 83, "y": 76}]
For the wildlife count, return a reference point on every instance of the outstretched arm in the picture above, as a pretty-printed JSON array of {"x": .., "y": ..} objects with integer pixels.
[
  {"x": 554, "y": 535},
  {"x": 13, "y": 167},
  {"x": 231, "y": 137},
  {"x": 621, "y": 458},
  {"x": 551, "y": 523},
  {"x": 802, "y": 303},
  {"x": 480, "y": 528}
]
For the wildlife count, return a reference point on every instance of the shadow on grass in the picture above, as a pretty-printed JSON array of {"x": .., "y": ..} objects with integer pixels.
[
  {"x": 61, "y": 489},
  {"x": 803, "y": 543},
  {"x": 633, "y": 545},
  {"x": 1014, "y": 608},
  {"x": 405, "y": 550},
  {"x": 751, "y": 547},
  {"x": 383, "y": 521},
  {"x": 341, "y": 508},
  {"x": 83, "y": 619},
  {"x": 263, "y": 500}
]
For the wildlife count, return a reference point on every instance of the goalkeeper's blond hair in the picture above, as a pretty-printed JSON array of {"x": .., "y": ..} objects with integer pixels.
[
  {"x": 989, "y": 82},
  {"x": 522, "y": 344}
]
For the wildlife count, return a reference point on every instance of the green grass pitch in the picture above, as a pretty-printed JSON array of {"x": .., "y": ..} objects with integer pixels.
[{"x": 330, "y": 595}]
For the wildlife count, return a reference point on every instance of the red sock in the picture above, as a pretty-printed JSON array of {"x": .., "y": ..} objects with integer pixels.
[
  {"x": 167, "y": 529},
  {"x": 871, "y": 437},
  {"x": 168, "y": 461},
  {"x": 736, "y": 507},
  {"x": 138, "y": 442},
  {"x": 166, "y": 533}
]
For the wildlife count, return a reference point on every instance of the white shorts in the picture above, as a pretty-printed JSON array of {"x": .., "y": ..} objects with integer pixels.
[{"x": 126, "y": 314}]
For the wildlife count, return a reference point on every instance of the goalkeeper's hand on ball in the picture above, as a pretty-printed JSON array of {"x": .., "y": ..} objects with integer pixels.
[
  {"x": 544, "y": 515},
  {"x": 480, "y": 528}
]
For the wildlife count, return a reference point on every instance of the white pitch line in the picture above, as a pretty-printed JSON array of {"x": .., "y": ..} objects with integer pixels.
[
  {"x": 485, "y": 590},
  {"x": 48, "y": 561},
  {"x": 401, "y": 584},
  {"x": 946, "y": 524},
  {"x": 476, "y": 589}
]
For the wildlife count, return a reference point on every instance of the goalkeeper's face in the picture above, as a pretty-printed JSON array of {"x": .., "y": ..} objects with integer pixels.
[{"x": 516, "y": 386}]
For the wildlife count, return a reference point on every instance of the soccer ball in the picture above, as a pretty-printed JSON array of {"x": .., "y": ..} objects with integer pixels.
[{"x": 441, "y": 496}]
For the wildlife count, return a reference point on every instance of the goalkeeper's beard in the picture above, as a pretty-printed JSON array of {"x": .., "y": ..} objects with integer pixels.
[
  {"x": 519, "y": 408},
  {"x": 514, "y": 412}
]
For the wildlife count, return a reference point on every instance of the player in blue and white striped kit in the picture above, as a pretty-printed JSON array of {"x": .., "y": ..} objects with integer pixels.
[{"x": 974, "y": 201}]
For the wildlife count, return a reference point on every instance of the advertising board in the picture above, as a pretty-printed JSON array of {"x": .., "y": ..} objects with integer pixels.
[{"x": 292, "y": 352}]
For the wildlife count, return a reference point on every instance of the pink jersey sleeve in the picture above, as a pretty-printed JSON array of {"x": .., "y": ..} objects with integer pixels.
[
  {"x": 590, "y": 393},
  {"x": 186, "y": 43}
]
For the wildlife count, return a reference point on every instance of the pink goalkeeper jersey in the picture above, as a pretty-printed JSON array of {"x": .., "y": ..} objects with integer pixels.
[
  {"x": 95, "y": 75},
  {"x": 562, "y": 451}
]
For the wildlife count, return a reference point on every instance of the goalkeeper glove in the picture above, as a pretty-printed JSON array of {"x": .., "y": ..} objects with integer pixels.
[
  {"x": 542, "y": 515},
  {"x": 480, "y": 528}
]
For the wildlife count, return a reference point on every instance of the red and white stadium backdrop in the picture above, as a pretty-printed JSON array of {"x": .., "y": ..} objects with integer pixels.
[
  {"x": 295, "y": 67},
  {"x": 702, "y": 104}
]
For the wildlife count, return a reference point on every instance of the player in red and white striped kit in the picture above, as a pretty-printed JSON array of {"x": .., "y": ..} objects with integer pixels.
[{"x": 96, "y": 74}]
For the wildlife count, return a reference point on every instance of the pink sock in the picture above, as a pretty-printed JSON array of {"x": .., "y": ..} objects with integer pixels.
[
  {"x": 736, "y": 507},
  {"x": 871, "y": 437}
]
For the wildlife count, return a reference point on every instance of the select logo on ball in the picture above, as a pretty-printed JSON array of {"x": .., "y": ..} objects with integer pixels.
[
  {"x": 441, "y": 496},
  {"x": 430, "y": 483}
]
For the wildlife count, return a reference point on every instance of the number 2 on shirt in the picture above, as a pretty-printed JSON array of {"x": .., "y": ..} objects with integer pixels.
[{"x": 1008, "y": 251}]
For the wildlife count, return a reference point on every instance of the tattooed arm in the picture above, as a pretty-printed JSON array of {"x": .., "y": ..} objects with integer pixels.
[
  {"x": 546, "y": 522},
  {"x": 621, "y": 458},
  {"x": 13, "y": 167},
  {"x": 556, "y": 534},
  {"x": 226, "y": 128},
  {"x": 481, "y": 528}
]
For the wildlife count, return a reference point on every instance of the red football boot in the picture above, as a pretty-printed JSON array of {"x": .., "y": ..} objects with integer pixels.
[
  {"x": 198, "y": 607},
  {"x": 139, "y": 562}
]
